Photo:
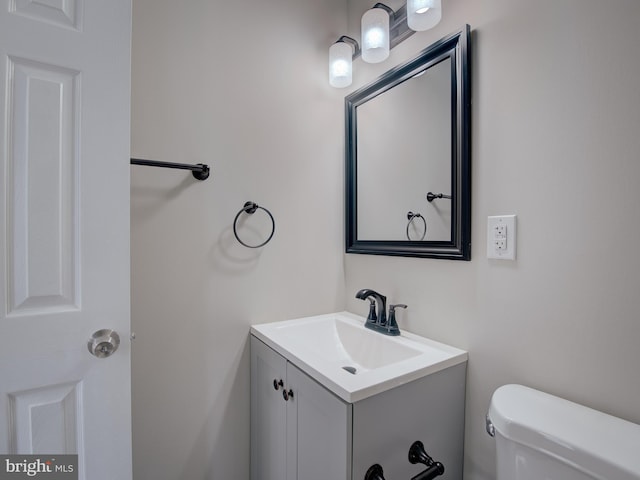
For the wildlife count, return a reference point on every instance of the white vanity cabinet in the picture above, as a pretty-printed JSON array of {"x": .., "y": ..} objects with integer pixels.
[
  {"x": 306, "y": 436},
  {"x": 316, "y": 435}
]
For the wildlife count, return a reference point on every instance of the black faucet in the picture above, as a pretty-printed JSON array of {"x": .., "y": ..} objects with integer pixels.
[
  {"x": 374, "y": 322},
  {"x": 379, "y": 321},
  {"x": 381, "y": 300}
]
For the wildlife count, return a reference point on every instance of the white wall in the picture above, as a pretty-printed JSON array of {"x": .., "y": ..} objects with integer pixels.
[
  {"x": 243, "y": 87},
  {"x": 556, "y": 122},
  {"x": 556, "y": 116}
]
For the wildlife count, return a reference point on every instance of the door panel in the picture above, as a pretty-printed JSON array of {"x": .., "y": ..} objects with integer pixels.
[
  {"x": 41, "y": 188},
  {"x": 64, "y": 13},
  {"x": 64, "y": 230},
  {"x": 47, "y": 419}
]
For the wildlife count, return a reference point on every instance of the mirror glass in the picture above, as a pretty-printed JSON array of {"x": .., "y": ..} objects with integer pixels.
[
  {"x": 394, "y": 176},
  {"x": 407, "y": 157}
]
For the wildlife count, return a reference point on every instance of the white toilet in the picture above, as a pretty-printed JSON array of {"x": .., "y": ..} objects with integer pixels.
[{"x": 542, "y": 437}]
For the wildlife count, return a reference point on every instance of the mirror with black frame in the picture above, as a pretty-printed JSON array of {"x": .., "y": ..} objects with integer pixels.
[{"x": 408, "y": 178}]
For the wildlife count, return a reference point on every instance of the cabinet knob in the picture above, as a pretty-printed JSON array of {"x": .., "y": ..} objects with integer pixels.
[
  {"x": 277, "y": 383},
  {"x": 287, "y": 395}
]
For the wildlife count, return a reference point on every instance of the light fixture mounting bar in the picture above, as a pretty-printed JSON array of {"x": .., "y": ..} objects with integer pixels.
[{"x": 399, "y": 31}]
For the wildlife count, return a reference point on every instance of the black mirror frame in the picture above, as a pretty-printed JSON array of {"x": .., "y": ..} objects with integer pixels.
[{"x": 456, "y": 47}]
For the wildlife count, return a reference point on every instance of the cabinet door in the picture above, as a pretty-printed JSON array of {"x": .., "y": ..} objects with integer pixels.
[
  {"x": 318, "y": 431},
  {"x": 268, "y": 413}
]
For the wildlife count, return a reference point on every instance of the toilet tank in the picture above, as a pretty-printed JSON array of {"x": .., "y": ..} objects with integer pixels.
[{"x": 542, "y": 437}]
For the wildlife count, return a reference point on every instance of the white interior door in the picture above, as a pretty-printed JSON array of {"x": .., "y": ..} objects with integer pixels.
[{"x": 64, "y": 230}]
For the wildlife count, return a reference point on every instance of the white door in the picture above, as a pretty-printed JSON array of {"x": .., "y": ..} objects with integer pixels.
[{"x": 64, "y": 230}]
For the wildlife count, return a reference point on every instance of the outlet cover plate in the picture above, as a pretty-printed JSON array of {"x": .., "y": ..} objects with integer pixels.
[{"x": 501, "y": 237}]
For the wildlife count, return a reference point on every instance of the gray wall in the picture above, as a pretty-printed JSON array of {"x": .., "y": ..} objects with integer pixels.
[
  {"x": 243, "y": 87},
  {"x": 556, "y": 140},
  {"x": 556, "y": 116}
]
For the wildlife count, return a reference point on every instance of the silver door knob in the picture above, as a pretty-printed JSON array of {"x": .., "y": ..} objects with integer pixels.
[{"x": 103, "y": 343}]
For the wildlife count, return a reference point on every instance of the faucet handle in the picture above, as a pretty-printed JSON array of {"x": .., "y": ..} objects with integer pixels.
[
  {"x": 393, "y": 307},
  {"x": 392, "y": 325},
  {"x": 373, "y": 317}
]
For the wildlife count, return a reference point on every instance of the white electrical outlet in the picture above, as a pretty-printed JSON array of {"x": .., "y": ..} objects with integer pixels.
[{"x": 501, "y": 237}]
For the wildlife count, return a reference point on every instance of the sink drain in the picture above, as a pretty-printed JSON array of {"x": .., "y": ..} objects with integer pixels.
[{"x": 351, "y": 370}]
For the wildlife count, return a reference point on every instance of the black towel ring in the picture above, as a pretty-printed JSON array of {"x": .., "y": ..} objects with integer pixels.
[
  {"x": 250, "y": 208},
  {"x": 411, "y": 217}
]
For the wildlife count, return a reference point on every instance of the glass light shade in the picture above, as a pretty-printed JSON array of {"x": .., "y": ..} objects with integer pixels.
[
  {"x": 375, "y": 35},
  {"x": 423, "y": 14},
  {"x": 340, "y": 65}
]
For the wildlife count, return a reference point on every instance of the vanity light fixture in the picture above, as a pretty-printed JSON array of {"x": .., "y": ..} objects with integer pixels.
[
  {"x": 423, "y": 14},
  {"x": 375, "y": 33},
  {"x": 382, "y": 29},
  {"x": 341, "y": 56}
]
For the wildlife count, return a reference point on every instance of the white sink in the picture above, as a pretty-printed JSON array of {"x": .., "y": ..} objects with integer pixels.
[{"x": 351, "y": 360}]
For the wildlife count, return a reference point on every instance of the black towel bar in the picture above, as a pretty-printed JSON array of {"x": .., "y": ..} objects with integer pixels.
[{"x": 199, "y": 171}]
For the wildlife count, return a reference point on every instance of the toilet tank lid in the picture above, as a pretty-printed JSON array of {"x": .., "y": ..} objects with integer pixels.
[{"x": 598, "y": 442}]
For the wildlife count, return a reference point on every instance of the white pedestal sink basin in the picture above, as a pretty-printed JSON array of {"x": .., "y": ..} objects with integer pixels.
[{"x": 352, "y": 361}]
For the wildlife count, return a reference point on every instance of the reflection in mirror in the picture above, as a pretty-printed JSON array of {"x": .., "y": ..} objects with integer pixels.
[
  {"x": 403, "y": 154},
  {"x": 407, "y": 137}
]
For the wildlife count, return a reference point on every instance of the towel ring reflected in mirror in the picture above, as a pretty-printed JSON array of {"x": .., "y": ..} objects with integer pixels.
[{"x": 411, "y": 217}]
